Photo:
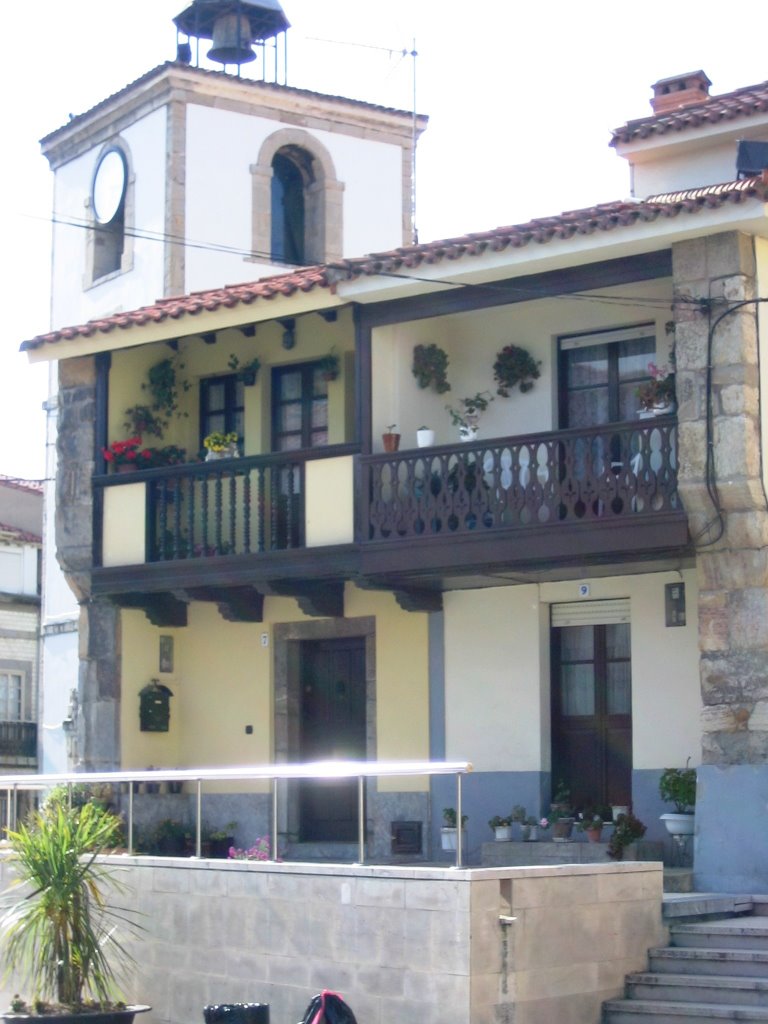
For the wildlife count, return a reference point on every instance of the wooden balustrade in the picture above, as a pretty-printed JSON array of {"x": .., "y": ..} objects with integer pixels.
[{"x": 622, "y": 470}]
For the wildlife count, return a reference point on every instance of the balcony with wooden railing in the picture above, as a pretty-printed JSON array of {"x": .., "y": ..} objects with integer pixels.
[{"x": 526, "y": 504}]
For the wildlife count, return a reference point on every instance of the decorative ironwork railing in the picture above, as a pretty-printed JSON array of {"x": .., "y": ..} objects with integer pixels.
[
  {"x": 18, "y": 739},
  {"x": 622, "y": 470}
]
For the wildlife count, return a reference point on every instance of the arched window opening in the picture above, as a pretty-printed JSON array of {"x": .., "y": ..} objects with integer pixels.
[
  {"x": 108, "y": 194},
  {"x": 292, "y": 173}
]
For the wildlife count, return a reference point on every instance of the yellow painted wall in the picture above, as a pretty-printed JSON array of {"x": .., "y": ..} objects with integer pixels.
[
  {"x": 497, "y": 672},
  {"x": 472, "y": 341},
  {"x": 124, "y": 533},
  {"x": 223, "y": 681},
  {"x": 196, "y": 359},
  {"x": 330, "y": 511}
]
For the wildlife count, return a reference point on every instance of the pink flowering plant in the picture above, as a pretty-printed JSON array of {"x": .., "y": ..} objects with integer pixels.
[
  {"x": 659, "y": 391},
  {"x": 259, "y": 851}
]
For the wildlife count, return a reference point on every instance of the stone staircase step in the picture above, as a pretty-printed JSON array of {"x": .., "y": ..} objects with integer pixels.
[
  {"x": 682, "y": 988},
  {"x": 739, "y": 963},
  {"x": 678, "y": 880},
  {"x": 732, "y": 933},
  {"x": 645, "y": 1011},
  {"x": 681, "y": 906}
]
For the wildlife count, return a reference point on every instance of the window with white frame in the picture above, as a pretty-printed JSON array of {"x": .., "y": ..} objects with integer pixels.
[{"x": 13, "y": 697}]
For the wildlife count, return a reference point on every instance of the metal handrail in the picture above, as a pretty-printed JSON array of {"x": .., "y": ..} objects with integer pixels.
[{"x": 360, "y": 770}]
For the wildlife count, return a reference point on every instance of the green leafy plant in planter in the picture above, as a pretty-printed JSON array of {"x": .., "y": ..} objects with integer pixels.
[
  {"x": 60, "y": 929},
  {"x": 515, "y": 367},
  {"x": 678, "y": 786},
  {"x": 500, "y": 821},
  {"x": 328, "y": 365},
  {"x": 626, "y": 830},
  {"x": 449, "y": 818},
  {"x": 430, "y": 368}
]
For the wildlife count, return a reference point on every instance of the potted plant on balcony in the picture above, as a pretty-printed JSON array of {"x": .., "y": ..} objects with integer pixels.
[
  {"x": 592, "y": 826},
  {"x": 515, "y": 367},
  {"x": 448, "y": 832},
  {"x": 467, "y": 416},
  {"x": 127, "y": 456},
  {"x": 221, "y": 446},
  {"x": 59, "y": 928},
  {"x": 502, "y": 827},
  {"x": 678, "y": 786},
  {"x": 390, "y": 439},
  {"x": 430, "y": 368},
  {"x": 657, "y": 395},
  {"x": 560, "y": 814}
]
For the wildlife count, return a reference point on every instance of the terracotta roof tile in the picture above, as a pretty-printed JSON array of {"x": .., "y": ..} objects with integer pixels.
[
  {"x": 14, "y": 533},
  {"x": 36, "y": 486},
  {"x": 744, "y": 102},
  {"x": 601, "y": 218}
]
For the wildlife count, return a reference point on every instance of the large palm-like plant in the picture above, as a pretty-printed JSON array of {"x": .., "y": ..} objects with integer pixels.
[{"x": 60, "y": 931}]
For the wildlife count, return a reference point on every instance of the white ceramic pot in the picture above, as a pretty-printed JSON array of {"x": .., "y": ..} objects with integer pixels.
[
  {"x": 678, "y": 824},
  {"x": 503, "y": 833},
  {"x": 448, "y": 837},
  {"x": 425, "y": 439}
]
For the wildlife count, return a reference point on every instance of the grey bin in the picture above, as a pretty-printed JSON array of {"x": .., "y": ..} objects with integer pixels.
[{"x": 236, "y": 1013}]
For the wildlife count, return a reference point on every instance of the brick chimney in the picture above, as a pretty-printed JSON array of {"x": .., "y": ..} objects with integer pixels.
[{"x": 680, "y": 91}]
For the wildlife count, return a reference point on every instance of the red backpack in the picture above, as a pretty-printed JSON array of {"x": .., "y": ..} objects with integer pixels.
[{"x": 328, "y": 1008}]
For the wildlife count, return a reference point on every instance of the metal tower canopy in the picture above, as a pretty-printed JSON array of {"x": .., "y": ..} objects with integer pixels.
[{"x": 265, "y": 17}]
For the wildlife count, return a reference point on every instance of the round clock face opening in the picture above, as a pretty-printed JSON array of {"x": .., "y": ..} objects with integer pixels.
[{"x": 109, "y": 186}]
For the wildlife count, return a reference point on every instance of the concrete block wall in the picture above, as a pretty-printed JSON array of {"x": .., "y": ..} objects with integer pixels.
[{"x": 412, "y": 945}]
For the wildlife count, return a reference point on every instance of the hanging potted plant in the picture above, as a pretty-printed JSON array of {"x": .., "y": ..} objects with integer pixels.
[
  {"x": 515, "y": 367},
  {"x": 59, "y": 929},
  {"x": 246, "y": 372},
  {"x": 678, "y": 786},
  {"x": 328, "y": 365},
  {"x": 390, "y": 439},
  {"x": 430, "y": 368}
]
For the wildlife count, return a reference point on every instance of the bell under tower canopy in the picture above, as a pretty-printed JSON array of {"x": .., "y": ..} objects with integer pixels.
[{"x": 233, "y": 26}]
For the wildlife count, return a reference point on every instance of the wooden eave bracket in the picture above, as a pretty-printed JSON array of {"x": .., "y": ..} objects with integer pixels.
[
  {"x": 417, "y": 600},
  {"x": 235, "y": 604},
  {"x": 162, "y": 609},
  {"x": 324, "y": 600}
]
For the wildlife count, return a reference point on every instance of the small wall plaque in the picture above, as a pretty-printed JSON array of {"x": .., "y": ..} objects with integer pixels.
[
  {"x": 674, "y": 604},
  {"x": 166, "y": 654}
]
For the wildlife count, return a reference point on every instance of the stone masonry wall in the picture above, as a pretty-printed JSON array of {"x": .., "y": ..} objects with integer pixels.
[
  {"x": 415, "y": 946},
  {"x": 97, "y": 736},
  {"x": 732, "y": 571}
]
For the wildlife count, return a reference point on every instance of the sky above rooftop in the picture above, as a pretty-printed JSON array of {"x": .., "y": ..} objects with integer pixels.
[{"x": 521, "y": 97}]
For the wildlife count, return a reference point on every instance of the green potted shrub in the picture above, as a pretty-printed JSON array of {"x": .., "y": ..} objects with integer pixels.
[
  {"x": 678, "y": 786},
  {"x": 430, "y": 368},
  {"x": 592, "y": 826},
  {"x": 515, "y": 367},
  {"x": 626, "y": 830},
  {"x": 502, "y": 827},
  {"x": 59, "y": 929},
  {"x": 448, "y": 836},
  {"x": 467, "y": 416}
]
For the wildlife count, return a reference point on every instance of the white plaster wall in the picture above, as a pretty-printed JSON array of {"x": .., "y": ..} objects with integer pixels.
[
  {"x": 472, "y": 340},
  {"x": 497, "y": 672},
  {"x": 59, "y": 671},
  {"x": 222, "y": 146},
  {"x": 330, "y": 504},
  {"x": 18, "y": 569},
  {"x": 70, "y": 304},
  {"x": 671, "y": 173}
]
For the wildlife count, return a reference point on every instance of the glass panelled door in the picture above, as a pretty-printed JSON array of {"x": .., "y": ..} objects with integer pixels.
[{"x": 592, "y": 713}]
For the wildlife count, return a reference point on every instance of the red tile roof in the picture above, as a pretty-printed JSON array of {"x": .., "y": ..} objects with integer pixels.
[
  {"x": 22, "y": 536},
  {"x": 249, "y": 83},
  {"x": 36, "y": 486},
  {"x": 605, "y": 217},
  {"x": 729, "y": 106}
]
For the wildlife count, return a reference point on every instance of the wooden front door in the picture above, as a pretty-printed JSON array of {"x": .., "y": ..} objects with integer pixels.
[
  {"x": 592, "y": 713},
  {"x": 332, "y": 727}
]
